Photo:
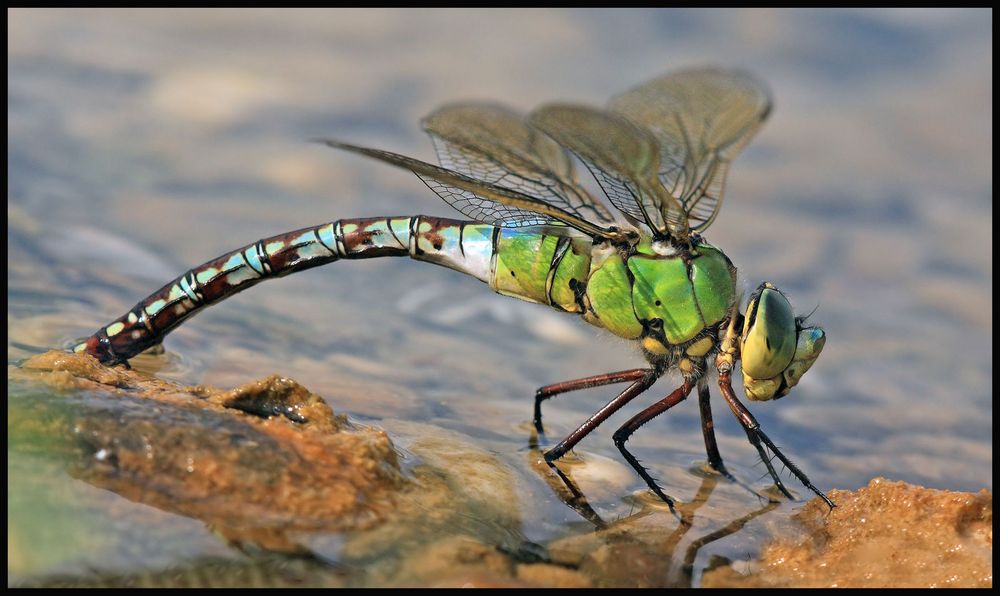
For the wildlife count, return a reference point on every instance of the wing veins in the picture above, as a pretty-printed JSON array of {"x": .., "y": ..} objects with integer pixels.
[{"x": 481, "y": 190}]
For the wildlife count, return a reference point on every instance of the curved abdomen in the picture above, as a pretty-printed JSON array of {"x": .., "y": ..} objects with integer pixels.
[{"x": 528, "y": 264}]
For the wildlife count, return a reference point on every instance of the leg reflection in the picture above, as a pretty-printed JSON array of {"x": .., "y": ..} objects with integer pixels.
[{"x": 638, "y": 552}]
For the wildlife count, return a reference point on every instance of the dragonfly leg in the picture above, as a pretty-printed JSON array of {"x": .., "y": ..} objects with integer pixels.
[
  {"x": 708, "y": 429},
  {"x": 631, "y": 392},
  {"x": 759, "y": 440},
  {"x": 623, "y": 433},
  {"x": 555, "y": 389}
]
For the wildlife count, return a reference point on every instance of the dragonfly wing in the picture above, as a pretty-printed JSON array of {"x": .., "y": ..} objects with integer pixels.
[
  {"x": 702, "y": 118},
  {"x": 491, "y": 143},
  {"x": 482, "y": 201},
  {"x": 623, "y": 157}
]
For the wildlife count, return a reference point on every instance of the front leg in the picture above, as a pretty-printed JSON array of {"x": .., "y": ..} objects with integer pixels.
[{"x": 758, "y": 439}]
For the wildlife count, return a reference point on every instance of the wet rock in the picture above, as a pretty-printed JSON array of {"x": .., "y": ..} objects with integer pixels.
[
  {"x": 259, "y": 464},
  {"x": 471, "y": 471},
  {"x": 888, "y": 534},
  {"x": 269, "y": 467}
]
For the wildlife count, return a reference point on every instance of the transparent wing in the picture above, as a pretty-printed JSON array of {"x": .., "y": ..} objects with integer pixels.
[
  {"x": 481, "y": 201},
  {"x": 701, "y": 118},
  {"x": 623, "y": 157},
  {"x": 493, "y": 144}
]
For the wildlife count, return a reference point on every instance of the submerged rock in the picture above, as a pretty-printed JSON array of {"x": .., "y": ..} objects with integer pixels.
[
  {"x": 258, "y": 464},
  {"x": 888, "y": 534},
  {"x": 270, "y": 468}
]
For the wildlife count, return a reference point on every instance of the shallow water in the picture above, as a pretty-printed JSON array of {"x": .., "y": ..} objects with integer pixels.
[{"x": 143, "y": 143}]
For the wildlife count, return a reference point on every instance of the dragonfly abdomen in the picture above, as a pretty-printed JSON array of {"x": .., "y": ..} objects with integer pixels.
[
  {"x": 464, "y": 246},
  {"x": 536, "y": 266}
]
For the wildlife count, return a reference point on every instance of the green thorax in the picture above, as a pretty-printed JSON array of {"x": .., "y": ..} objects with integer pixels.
[{"x": 687, "y": 291}]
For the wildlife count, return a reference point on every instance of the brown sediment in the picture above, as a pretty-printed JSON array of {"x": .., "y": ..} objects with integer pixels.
[
  {"x": 888, "y": 534},
  {"x": 258, "y": 464}
]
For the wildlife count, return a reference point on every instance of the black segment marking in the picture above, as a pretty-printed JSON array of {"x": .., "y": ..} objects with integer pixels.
[
  {"x": 246, "y": 262},
  {"x": 332, "y": 250},
  {"x": 689, "y": 267},
  {"x": 413, "y": 234},
  {"x": 265, "y": 260},
  {"x": 315, "y": 240},
  {"x": 192, "y": 280},
  {"x": 144, "y": 319},
  {"x": 388, "y": 226},
  {"x": 562, "y": 247}
]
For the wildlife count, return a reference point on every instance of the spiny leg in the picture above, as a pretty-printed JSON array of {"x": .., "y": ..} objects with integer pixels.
[
  {"x": 631, "y": 392},
  {"x": 555, "y": 389},
  {"x": 708, "y": 429},
  {"x": 622, "y": 434},
  {"x": 750, "y": 425},
  {"x": 757, "y": 437}
]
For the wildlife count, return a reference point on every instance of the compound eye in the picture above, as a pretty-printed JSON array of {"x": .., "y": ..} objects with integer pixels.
[{"x": 768, "y": 334}]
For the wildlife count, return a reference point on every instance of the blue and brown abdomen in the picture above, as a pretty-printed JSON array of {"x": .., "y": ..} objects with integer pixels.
[
  {"x": 149, "y": 321},
  {"x": 549, "y": 267}
]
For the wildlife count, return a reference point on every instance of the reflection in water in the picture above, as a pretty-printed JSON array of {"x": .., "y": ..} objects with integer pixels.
[{"x": 671, "y": 569}]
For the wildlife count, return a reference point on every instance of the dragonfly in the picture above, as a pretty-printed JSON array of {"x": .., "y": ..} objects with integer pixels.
[{"x": 640, "y": 269}]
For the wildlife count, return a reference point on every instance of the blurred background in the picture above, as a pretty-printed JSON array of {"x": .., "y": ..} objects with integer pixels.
[{"x": 144, "y": 142}]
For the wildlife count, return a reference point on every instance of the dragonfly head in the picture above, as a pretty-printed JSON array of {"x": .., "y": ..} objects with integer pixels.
[{"x": 776, "y": 347}]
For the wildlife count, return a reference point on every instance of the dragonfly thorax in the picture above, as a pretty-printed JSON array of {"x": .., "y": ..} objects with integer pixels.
[{"x": 672, "y": 301}]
